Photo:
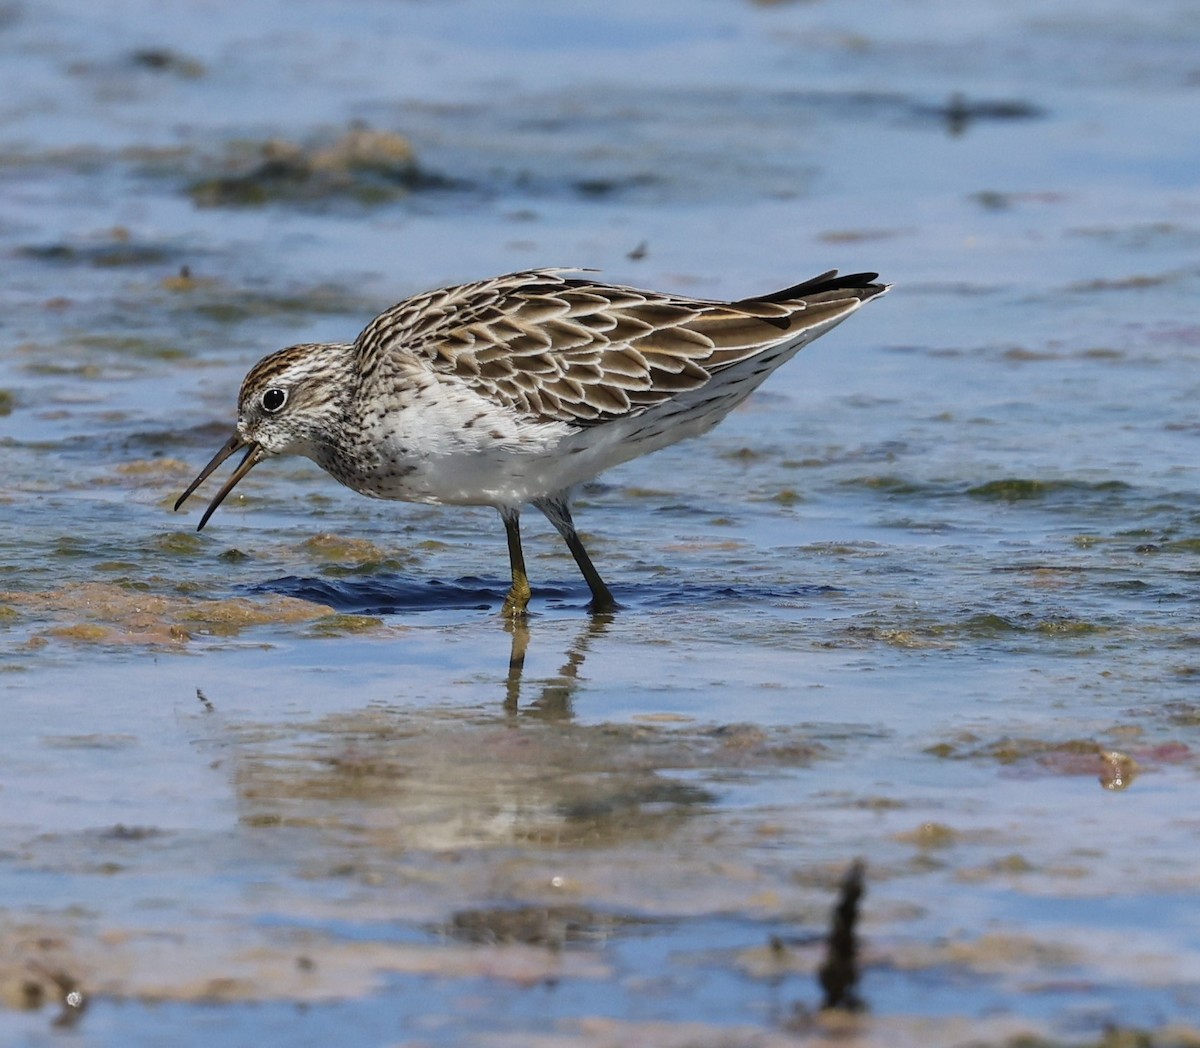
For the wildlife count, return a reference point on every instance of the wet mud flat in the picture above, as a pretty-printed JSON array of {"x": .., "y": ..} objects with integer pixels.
[
  {"x": 928, "y": 602},
  {"x": 456, "y": 829}
]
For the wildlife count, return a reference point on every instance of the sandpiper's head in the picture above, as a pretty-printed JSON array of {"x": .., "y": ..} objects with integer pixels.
[
  {"x": 291, "y": 399},
  {"x": 290, "y": 404}
]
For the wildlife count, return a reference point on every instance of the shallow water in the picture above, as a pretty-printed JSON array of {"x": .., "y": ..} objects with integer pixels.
[{"x": 929, "y": 600}]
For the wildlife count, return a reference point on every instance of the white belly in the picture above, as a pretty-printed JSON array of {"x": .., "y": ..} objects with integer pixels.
[{"x": 449, "y": 445}]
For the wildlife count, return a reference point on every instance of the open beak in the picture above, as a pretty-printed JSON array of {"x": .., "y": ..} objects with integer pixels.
[{"x": 254, "y": 456}]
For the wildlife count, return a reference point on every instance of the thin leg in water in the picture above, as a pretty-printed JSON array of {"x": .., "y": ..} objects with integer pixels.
[
  {"x": 558, "y": 512},
  {"x": 517, "y": 601}
]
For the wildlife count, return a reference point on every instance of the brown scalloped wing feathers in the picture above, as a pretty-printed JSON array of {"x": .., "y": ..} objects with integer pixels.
[{"x": 569, "y": 349}]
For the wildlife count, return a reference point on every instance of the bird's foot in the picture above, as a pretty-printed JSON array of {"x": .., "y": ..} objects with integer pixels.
[{"x": 516, "y": 604}]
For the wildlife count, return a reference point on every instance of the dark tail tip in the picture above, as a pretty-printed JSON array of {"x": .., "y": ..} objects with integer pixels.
[{"x": 827, "y": 282}]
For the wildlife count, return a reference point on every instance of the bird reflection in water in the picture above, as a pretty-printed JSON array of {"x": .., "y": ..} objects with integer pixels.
[{"x": 554, "y": 697}]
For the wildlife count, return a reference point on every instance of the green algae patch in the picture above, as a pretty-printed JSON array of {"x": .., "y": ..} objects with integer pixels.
[
  {"x": 552, "y": 927},
  {"x": 152, "y": 470},
  {"x": 745, "y": 455},
  {"x": 993, "y": 625},
  {"x": 222, "y": 304},
  {"x": 931, "y": 835},
  {"x": 901, "y": 638},
  {"x": 342, "y": 549},
  {"x": 89, "y": 632},
  {"x": 225, "y": 617},
  {"x": 993, "y": 954},
  {"x": 180, "y": 543},
  {"x": 989, "y": 625},
  {"x": 1003, "y": 868},
  {"x": 1019, "y": 489},
  {"x": 118, "y": 252},
  {"x": 890, "y": 485},
  {"x": 133, "y": 346},
  {"x": 363, "y": 165},
  {"x": 108, "y": 613},
  {"x": 1068, "y": 627},
  {"x": 1113, "y": 769},
  {"x": 1011, "y": 750},
  {"x": 1188, "y": 545},
  {"x": 339, "y": 625},
  {"x": 1011, "y": 490}
]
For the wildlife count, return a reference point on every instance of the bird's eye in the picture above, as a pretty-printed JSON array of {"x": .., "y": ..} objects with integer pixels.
[{"x": 274, "y": 399}]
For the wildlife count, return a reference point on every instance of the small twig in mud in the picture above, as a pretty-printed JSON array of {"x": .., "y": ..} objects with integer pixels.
[
  {"x": 208, "y": 706},
  {"x": 839, "y": 974},
  {"x": 73, "y": 1001}
]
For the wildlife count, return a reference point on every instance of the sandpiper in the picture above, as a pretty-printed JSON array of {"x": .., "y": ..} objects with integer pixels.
[{"x": 517, "y": 389}]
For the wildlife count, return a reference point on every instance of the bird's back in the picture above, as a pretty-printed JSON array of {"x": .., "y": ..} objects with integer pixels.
[{"x": 558, "y": 347}]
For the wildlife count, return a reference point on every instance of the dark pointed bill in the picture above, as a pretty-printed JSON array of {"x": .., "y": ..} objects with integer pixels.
[{"x": 234, "y": 444}]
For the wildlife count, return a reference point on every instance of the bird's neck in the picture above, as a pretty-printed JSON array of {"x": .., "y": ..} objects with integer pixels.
[{"x": 333, "y": 416}]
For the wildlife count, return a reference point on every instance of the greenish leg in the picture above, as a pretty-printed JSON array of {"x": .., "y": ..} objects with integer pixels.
[{"x": 516, "y": 603}]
